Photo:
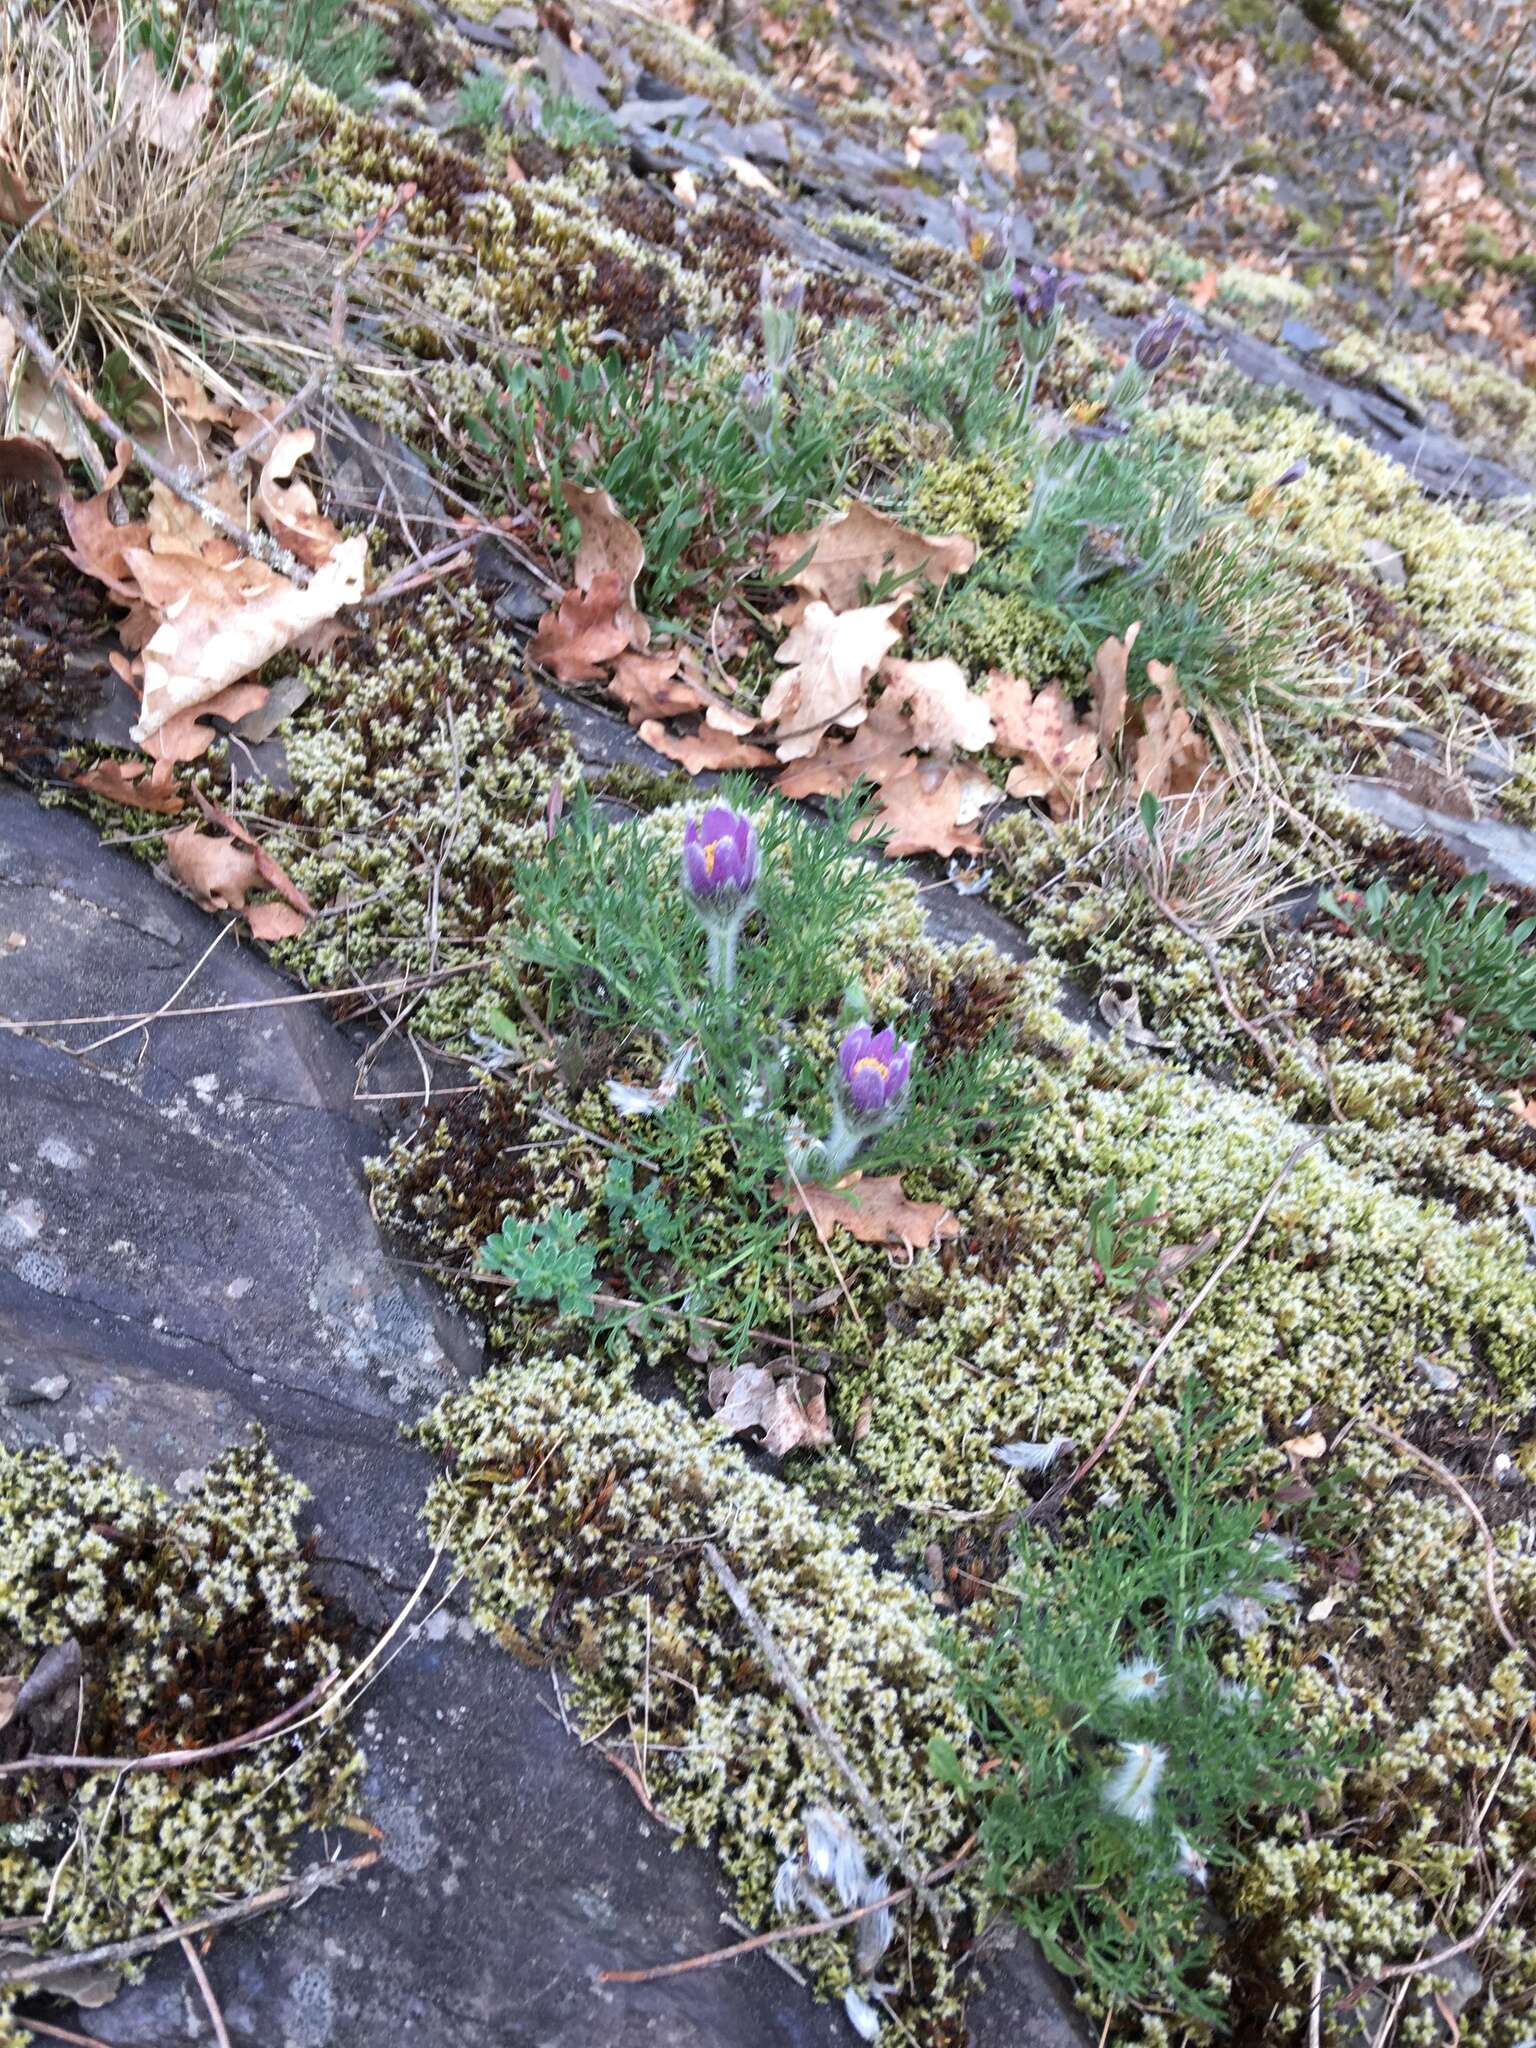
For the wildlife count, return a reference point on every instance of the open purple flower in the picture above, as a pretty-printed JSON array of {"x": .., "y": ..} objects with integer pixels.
[
  {"x": 720, "y": 869},
  {"x": 1039, "y": 292},
  {"x": 875, "y": 1068},
  {"x": 720, "y": 862}
]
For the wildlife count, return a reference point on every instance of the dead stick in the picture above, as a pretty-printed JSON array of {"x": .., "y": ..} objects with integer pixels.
[
  {"x": 798, "y": 1691},
  {"x": 802, "y": 1931},
  {"x": 1448, "y": 1478},
  {"x": 295, "y": 1892},
  {"x": 1058, "y": 1494},
  {"x": 200, "y": 1977},
  {"x": 1511, "y": 1884},
  {"x": 53, "y": 2033},
  {"x": 261, "y": 545},
  {"x": 172, "y": 1759}
]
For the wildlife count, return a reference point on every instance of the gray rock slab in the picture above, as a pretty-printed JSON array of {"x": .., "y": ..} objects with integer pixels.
[
  {"x": 1507, "y": 852},
  {"x": 185, "y": 1250}
]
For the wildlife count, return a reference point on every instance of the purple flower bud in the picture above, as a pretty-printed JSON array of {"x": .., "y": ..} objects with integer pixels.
[
  {"x": 1040, "y": 292},
  {"x": 720, "y": 863},
  {"x": 874, "y": 1068},
  {"x": 1293, "y": 475},
  {"x": 1157, "y": 342}
]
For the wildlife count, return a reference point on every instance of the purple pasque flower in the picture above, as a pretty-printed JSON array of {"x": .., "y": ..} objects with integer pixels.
[
  {"x": 1159, "y": 339},
  {"x": 874, "y": 1067},
  {"x": 720, "y": 864}
]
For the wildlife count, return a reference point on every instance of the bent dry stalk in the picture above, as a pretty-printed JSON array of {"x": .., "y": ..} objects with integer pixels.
[{"x": 720, "y": 870}]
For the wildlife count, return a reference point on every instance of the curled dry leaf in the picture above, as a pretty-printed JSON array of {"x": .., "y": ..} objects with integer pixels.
[
  {"x": 1313, "y": 1445},
  {"x": 290, "y": 511},
  {"x": 168, "y": 119},
  {"x": 859, "y": 546},
  {"x": 789, "y": 1407},
  {"x": 880, "y": 749},
  {"x": 705, "y": 751},
  {"x": 829, "y": 658},
  {"x": 609, "y": 546},
  {"x": 945, "y": 712},
  {"x": 1171, "y": 756},
  {"x": 874, "y": 1211},
  {"x": 221, "y": 620},
  {"x": 143, "y": 785},
  {"x": 26, "y": 460},
  {"x": 1110, "y": 687},
  {"x": 188, "y": 736},
  {"x": 647, "y": 685},
  {"x": 588, "y": 631}
]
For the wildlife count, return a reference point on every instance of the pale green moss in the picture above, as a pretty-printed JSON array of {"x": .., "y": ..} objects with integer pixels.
[{"x": 167, "y": 1599}]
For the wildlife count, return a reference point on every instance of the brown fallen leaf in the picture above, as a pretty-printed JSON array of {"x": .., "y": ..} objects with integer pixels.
[
  {"x": 271, "y": 872},
  {"x": 577, "y": 641},
  {"x": 220, "y": 874},
  {"x": 169, "y": 119},
  {"x": 705, "y": 751},
  {"x": 1526, "y": 1111},
  {"x": 874, "y": 1211},
  {"x": 98, "y": 548},
  {"x": 222, "y": 622},
  {"x": 829, "y": 658},
  {"x": 859, "y": 546},
  {"x": 609, "y": 546},
  {"x": 1058, "y": 753},
  {"x": 144, "y": 785},
  {"x": 188, "y": 736},
  {"x": 790, "y": 1408},
  {"x": 882, "y": 747},
  {"x": 647, "y": 686},
  {"x": 1171, "y": 756},
  {"x": 945, "y": 712},
  {"x": 290, "y": 511},
  {"x": 1313, "y": 1445},
  {"x": 1110, "y": 690},
  {"x": 932, "y": 808}
]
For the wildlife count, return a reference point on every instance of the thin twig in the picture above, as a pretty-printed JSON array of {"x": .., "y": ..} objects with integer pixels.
[
  {"x": 53, "y": 2033},
  {"x": 1448, "y": 1478},
  {"x": 127, "y": 1030},
  {"x": 200, "y": 1977},
  {"x": 1058, "y": 1494},
  {"x": 1511, "y": 1885},
  {"x": 802, "y": 1931},
  {"x": 261, "y": 545},
  {"x": 313, "y": 995},
  {"x": 174, "y": 1759},
  {"x": 295, "y": 1892},
  {"x": 792, "y": 1682}
]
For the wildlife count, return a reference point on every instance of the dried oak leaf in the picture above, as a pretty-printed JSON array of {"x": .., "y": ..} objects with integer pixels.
[
  {"x": 1110, "y": 688},
  {"x": 1058, "y": 753},
  {"x": 609, "y": 546},
  {"x": 290, "y": 511},
  {"x": 647, "y": 686},
  {"x": 945, "y": 712},
  {"x": 144, "y": 785},
  {"x": 790, "y": 1408},
  {"x": 881, "y": 748},
  {"x": 705, "y": 751},
  {"x": 168, "y": 119},
  {"x": 188, "y": 736},
  {"x": 874, "y": 1211},
  {"x": 221, "y": 621},
  {"x": 220, "y": 874},
  {"x": 859, "y": 546},
  {"x": 829, "y": 658},
  {"x": 98, "y": 548},
  {"x": 1171, "y": 756},
  {"x": 932, "y": 808},
  {"x": 578, "y": 641}
]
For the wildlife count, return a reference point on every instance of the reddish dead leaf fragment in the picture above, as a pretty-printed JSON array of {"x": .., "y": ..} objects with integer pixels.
[
  {"x": 1058, "y": 753},
  {"x": 1526, "y": 1111},
  {"x": 705, "y": 751},
  {"x": 1171, "y": 756},
  {"x": 220, "y": 874},
  {"x": 873, "y": 1211},
  {"x": 100, "y": 549},
  {"x": 188, "y": 736},
  {"x": 945, "y": 712},
  {"x": 290, "y": 511},
  {"x": 609, "y": 546},
  {"x": 880, "y": 748},
  {"x": 140, "y": 784},
  {"x": 577, "y": 642},
  {"x": 932, "y": 808},
  {"x": 270, "y": 871},
  {"x": 829, "y": 659},
  {"x": 859, "y": 546},
  {"x": 790, "y": 1408}
]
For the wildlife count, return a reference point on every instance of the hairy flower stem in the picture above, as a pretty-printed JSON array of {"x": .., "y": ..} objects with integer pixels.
[
  {"x": 722, "y": 955},
  {"x": 840, "y": 1146}
]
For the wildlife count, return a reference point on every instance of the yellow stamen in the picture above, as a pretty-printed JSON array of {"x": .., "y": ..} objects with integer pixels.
[
  {"x": 870, "y": 1061},
  {"x": 709, "y": 855}
]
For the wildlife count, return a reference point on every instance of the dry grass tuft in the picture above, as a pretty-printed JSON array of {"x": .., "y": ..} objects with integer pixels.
[{"x": 147, "y": 220}]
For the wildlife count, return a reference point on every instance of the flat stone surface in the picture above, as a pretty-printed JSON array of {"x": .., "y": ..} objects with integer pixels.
[{"x": 185, "y": 1242}]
